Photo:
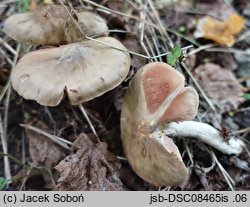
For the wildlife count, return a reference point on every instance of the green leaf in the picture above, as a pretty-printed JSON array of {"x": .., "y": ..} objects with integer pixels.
[
  {"x": 246, "y": 96},
  {"x": 26, "y": 116},
  {"x": 23, "y": 6},
  {"x": 182, "y": 29},
  {"x": 3, "y": 182},
  {"x": 174, "y": 55}
]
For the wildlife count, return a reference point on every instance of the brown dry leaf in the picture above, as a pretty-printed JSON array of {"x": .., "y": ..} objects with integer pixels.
[
  {"x": 221, "y": 32},
  {"x": 220, "y": 85},
  {"x": 44, "y": 153},
  {"x": 92, "y": 167},
  {"x": 218, "y": 8},
  {"x": 132, "y": 44}
]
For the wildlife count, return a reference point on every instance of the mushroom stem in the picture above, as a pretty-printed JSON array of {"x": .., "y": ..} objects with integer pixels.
[{"x": 206, "y": 134}]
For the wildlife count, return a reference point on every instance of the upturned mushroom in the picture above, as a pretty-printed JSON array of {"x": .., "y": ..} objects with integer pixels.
[
  {"x": 52, "y": 25},
  {"x": 82, "y": 71},
  {"x": 156, "y": 106}
]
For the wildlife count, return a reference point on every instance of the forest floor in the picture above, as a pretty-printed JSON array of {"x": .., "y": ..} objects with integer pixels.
[{"x": 38, "y": 137}]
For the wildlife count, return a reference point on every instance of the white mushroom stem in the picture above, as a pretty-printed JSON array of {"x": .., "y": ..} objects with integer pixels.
[{"x": 206, "y": 134}]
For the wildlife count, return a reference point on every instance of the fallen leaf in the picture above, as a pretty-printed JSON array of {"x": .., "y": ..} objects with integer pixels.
[
  {"x": 132, "y": 44},
  {"x": 221, "y": 32},
  {"x": 174, "y": 55},
  {"x": 44, "y": 153},
  {"x": 220, "y": 85},
  {"x": 92, "y": 167}
]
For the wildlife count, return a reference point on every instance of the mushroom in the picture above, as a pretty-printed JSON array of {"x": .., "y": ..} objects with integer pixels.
[
  {"x": 157, "y": 105},
  {"x": 82, "y": 71},
  {"x": 47, "y": 25},
  {"x": 91, "y": 24}
]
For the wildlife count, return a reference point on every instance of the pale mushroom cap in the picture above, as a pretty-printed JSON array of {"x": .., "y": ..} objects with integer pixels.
[
  {"x": 91, "y": 25},
  {"x": 156, "y": 95},
  {"x": 52, "y": 25},
  {"x": 157, "y": 161},
  {"x": 81, "y": 70},
  {"x": 43, "y": 26}
]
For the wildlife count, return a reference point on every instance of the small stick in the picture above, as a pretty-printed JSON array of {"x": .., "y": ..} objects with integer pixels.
[
  {"x": 188, "y": 152},
  {"x": 199, "y": 87},
  {"x": 89, "y": 122},
  {"x": 227, "y": 177},
  {"x": 7, "y": 172},
  {"x": 62, "y": 142},
  {"x": 8, "y": 47}
]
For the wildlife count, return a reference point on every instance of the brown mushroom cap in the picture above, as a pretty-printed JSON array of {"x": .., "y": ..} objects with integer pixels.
[
  {"x": 51, "y": 25},
  {"x": 82, "y": 70},
  {"x": 43, "y": 26},
  {"x": 156, "y": 95}
]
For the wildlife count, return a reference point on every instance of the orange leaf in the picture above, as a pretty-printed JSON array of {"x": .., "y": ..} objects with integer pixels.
[{"x": 221, "y": 32}]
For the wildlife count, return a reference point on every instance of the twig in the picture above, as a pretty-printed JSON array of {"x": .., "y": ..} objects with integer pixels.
[
  {"x": 188, "y": 152},
  {"x": 6, "y": 56},
  {"x": 142, "y": 28},
  {"x": 3, "y": 129},
  {"x": 204, "y": 47},
  {"x": 161, "y": 27},
  {"x": 199, "y": 87},
  {"x": 6, "y": 110},
  {"x": 7, "y": 85},
  {"x": 122, "y": 158},
  {"x": 62, "y": 142},
  {"x": 89, "y": 122},
  {"x": 8, "y": 47},
  {"x": 227, "y": 177},
  {"x": 242, "y": 131},
  {"x": 110, "y": 10},
  {"x": 7, "y": 172}
]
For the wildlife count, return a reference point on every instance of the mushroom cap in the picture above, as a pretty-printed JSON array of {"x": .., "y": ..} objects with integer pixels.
[
  {"x": 155, "y": 96},
  {"x": 43, "y": 26},
  {"x": 81, "y": 70},
  {"x": 152, "y": 156},
  {"x": 52, "y": 25},
  {"x": 90, "y": 23}
]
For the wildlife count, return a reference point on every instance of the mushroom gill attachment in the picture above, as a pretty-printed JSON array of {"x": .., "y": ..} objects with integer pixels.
[
  {"x": 52, "y": 25},
  {"x": 156, "y": 95},
  {"x": 82, "y": 71}
]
